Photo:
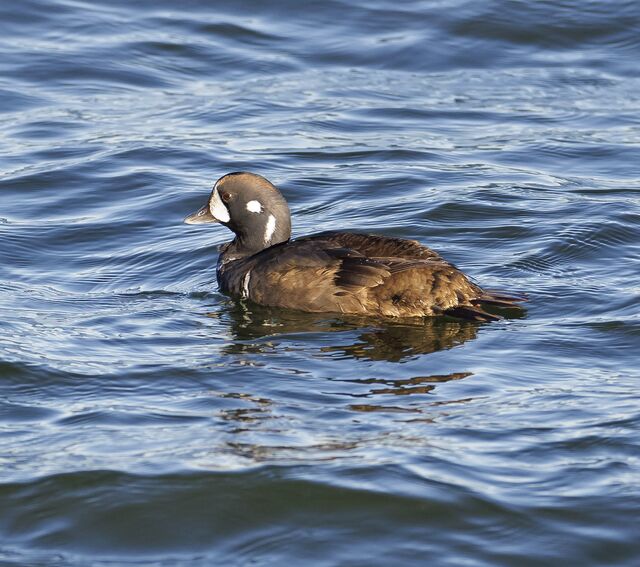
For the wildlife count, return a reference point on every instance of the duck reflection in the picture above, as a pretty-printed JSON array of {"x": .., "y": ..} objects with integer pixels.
[
  {"x": 355, "y": 337},
  {"x": 260, "y": 425},
  {"x": 415, "y": 385}
]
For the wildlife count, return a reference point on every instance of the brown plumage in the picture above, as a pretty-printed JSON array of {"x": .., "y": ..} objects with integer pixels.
[{"x": 339, "y": 272}]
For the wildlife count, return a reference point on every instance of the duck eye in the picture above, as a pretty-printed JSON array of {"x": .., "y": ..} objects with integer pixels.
[{"x": 225, "y": 196}]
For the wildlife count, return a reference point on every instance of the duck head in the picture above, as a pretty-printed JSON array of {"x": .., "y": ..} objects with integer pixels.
[{"x": 251, "y": 207}]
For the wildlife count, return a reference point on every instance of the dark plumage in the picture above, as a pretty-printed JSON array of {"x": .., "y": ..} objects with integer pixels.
[{"x": 332, "y": 271}]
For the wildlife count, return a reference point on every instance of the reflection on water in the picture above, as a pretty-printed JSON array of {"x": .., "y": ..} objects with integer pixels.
[
  {"x": 257, "y": 331},
  {"x": 415, "y": 385},
  {"x": 377, "y": 339},
  {"x": 397, "y": 342},
  {"x": 402, "y": 387}
]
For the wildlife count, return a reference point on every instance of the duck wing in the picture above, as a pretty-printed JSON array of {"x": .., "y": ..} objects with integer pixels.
[
  {"x": 316, "y": 275},
  {"x": 403, "y": 255}
]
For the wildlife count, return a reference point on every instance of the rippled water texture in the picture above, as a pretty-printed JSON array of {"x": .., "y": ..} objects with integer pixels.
[{"x": 147, "y": 419}]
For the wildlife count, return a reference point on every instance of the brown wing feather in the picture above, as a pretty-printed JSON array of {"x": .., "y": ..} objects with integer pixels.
[{"x": 302, "y": 275}]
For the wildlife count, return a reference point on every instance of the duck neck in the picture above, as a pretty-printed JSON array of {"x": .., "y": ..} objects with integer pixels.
[{"x": 251, "y": 242}]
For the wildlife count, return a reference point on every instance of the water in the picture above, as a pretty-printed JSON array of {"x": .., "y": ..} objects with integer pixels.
[{"x": 147, "y": 419}]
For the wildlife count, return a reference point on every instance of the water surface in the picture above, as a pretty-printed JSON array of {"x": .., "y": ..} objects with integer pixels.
[{"x": 147, "y": 419}]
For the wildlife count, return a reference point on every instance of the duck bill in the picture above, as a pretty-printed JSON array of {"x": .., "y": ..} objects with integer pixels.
[{"x": 201, "y": 216}]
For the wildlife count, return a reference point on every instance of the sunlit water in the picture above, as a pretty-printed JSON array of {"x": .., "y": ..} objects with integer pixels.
[{"x": 147, "y": 419}]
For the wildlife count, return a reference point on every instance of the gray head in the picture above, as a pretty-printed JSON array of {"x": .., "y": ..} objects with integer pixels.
[{"x": 251, "y": 207}]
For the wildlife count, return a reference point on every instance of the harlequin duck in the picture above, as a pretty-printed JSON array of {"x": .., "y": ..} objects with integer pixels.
[{"x": 332, "y": 271}]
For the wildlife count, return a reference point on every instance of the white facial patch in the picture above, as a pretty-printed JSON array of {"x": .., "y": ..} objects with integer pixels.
[
  {"x": 271, "y": 228},
  {"x": 217, "y": 207},
  {"x": 254, "y": 207}
]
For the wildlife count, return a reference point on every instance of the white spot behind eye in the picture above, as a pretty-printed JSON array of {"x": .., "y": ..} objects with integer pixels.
[
  {"x": 217, "y": 207},
  {"x": 254, "y": 207},
  {"x": 271, "y": 228}
]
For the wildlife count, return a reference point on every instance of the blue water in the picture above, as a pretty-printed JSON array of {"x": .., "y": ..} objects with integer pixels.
[{"x": 146, "y": 419}]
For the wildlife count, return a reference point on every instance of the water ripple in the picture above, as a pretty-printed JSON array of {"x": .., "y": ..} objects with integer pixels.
[{"x": 145, "y": 417}]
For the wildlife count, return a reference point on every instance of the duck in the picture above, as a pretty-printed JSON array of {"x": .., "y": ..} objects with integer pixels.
[{"x": 333, "y": 271}]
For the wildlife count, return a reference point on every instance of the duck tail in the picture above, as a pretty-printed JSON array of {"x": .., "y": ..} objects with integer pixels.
[
  {"x": 499, "y": 299},
  {"x": 475, "y": 310},
  {"x": 471, "y": 313}
]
